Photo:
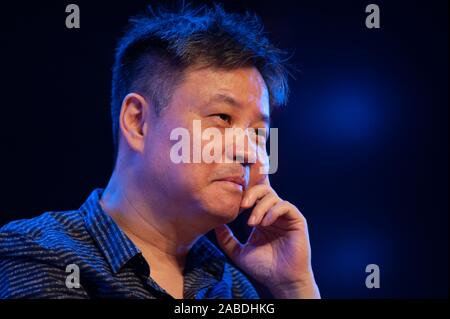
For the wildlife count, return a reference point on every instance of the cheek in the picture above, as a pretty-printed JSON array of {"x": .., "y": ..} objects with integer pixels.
[{"x": 192, "y": 177}]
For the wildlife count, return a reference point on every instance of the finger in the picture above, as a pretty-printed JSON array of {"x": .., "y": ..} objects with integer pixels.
[
  {"x": 255, "y": 193},
  {"x": 283, "y": 208},
  {"x": 263, "y": 206},
  {"x": 230, "y": 244}
]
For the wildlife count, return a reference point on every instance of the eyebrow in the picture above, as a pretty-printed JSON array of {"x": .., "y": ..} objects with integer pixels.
[{"x": 225, "y": 98}]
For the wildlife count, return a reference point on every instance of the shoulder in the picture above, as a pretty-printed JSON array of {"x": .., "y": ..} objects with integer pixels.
[
  {"x": 34, "y": 254},
  {"x": 55, "y": 220},
  {"x": 50, "y": 231},
  {"x": 53, "y": 237}
]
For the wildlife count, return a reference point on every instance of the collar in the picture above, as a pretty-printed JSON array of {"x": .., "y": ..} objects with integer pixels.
[{"x": 117, "y": 248}]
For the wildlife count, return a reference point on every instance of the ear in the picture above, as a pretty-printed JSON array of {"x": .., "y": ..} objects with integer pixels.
[{"x": 133, "y": 120}]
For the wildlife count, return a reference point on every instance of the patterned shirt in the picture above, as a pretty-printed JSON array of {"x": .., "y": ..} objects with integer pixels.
[{"x": 37, "y": 257}]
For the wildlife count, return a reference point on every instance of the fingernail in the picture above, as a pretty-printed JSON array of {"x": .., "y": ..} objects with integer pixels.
[{"x": 252, "y": 220}]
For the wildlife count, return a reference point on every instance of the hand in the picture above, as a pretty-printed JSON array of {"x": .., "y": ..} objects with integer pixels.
[{"x": 277, "y": 252}]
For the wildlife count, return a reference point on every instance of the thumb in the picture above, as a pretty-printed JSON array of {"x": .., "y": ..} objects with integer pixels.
[{"x": 228, "y": 242}]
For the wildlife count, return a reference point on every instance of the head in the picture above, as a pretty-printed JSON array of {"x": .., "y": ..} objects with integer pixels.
[{"x": 172, "y": 68}]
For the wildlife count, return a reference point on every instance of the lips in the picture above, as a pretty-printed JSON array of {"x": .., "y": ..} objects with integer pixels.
[{"x": 234, "y": 179}]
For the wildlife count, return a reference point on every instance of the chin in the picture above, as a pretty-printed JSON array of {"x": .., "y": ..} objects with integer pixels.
[
  {"x": 224, "y": 212},
  {"x": 221, "y": 203}
]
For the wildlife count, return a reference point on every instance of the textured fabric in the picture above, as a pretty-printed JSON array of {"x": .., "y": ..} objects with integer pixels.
[{"x": 34, "y": 254}]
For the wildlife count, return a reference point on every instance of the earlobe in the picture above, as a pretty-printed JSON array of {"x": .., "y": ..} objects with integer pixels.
[{"x": 132, "y": 120}]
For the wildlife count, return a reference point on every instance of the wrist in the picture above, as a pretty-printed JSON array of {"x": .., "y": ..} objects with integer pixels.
[{"x": 302, "y": 289}]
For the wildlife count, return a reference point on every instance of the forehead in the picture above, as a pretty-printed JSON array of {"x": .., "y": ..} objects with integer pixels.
[{"x": 245, "y": 86}]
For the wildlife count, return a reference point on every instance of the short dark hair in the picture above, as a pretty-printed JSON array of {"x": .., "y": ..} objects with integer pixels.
[{"x": 157, "y": 47}]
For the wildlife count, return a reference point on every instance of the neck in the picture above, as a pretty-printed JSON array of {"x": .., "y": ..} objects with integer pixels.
[{"x": 161, "y": 235}]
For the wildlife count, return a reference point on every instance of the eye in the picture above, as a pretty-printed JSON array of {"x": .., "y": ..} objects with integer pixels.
[{"x": 223, "y": 117}]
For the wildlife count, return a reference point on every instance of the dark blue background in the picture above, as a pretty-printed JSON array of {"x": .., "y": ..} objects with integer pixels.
[{"x": 363, "y": 141}]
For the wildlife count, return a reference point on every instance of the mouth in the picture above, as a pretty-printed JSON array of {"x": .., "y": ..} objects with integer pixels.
[{"x": 237, "y": 182}]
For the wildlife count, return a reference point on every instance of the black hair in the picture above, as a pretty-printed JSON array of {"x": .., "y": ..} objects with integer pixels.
[{"x": 157, "y": 47}]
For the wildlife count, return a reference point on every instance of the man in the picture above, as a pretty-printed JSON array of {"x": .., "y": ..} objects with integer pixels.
[{"x": 143, "y": 235}]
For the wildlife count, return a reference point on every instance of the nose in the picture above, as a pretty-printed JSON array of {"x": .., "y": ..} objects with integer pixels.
[{"x": 241, "y": 146}]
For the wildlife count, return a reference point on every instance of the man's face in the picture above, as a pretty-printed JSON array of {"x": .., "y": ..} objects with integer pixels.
[{"x": 218, "y": 99}]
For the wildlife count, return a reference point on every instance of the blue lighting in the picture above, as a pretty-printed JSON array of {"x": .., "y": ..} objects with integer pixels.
[{"x": 345, "y": 115}]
